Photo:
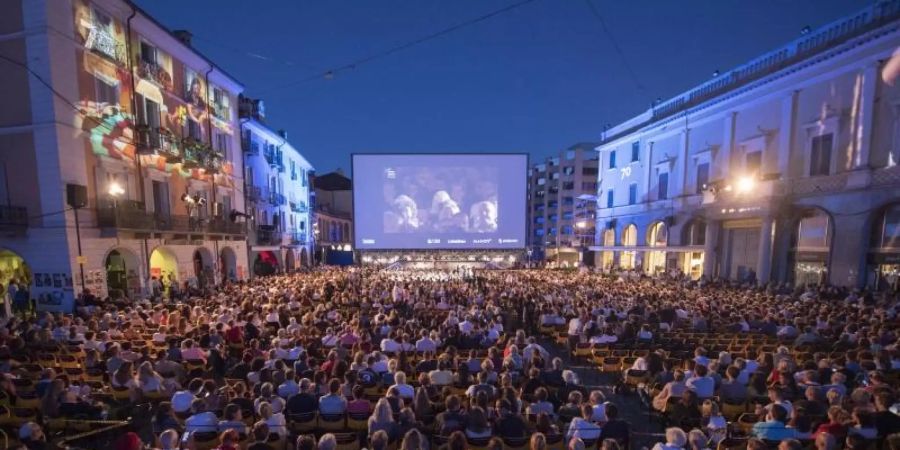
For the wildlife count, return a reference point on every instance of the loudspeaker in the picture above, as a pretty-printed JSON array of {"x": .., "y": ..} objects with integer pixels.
[{"x": 76, "y": 195}]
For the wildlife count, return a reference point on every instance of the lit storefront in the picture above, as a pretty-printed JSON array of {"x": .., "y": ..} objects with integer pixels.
[
  {"x": 810, "y": 248},
  {"x": 694, "y": 238},
  {"x": 608, "y": 257},
  {"x": 628, "y": 260},
  {"x": 884, "y": 257}
]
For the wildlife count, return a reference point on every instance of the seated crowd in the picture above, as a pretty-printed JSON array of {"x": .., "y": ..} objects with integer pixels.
[{"x": 345, "y": 359}]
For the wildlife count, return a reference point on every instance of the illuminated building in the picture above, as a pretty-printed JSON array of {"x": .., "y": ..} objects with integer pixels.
[
  {"x": 783, "y": 169},
  {"x": 561, "y": 205},
  {"x": 140, "y": 121},
  {"x": 333, "y": 216},
  {"x": 277, "y": 191}
]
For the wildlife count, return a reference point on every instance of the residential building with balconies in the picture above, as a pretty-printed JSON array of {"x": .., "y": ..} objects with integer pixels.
[
  {"x": 277, "y": 188},
  {"x": 333, "y": 218},
  {"x": 114, "y": 119},
  {"x": 561, "y": 209},
  {"x": 783, "y": 169}
]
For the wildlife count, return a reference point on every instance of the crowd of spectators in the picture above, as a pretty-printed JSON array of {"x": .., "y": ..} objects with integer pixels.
[{"x": 350, "y": 358}]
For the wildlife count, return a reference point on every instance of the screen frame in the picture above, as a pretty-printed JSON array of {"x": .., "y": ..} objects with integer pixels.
[{"x": 441, "y": 247}]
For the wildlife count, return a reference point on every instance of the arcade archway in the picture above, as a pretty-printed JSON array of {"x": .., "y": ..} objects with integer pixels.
[
  {"x": 13, "y": 267},
  {"x": 289, "y": 260},
  {"x": 121, "y": 273},
  {"x": 304, "y": 257},
  {"x": 164, "y": 266},
  {"x": 203, "y": 265},
  {"x": 228, "y": 264}
]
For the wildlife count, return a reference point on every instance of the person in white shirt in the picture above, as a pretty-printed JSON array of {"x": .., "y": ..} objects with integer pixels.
[
  {"x": 160, "y": 336},
  {"x": 425, "y": 344},
  {"x": 390, "y": 345},
  {"x": 599, "y": 407},
  {"x": 201, "y": 420},
  {"x": 583, "y": 427},
  {"x": 406, "y": 391}
]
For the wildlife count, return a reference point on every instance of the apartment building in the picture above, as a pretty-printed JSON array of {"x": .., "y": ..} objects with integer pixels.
[
  {"x": 120, "y": 153},
  {"x": 561, "y": 197},
  {"x": 277, "y": 189}
]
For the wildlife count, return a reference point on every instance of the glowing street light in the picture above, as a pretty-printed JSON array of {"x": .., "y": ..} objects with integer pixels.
[
  {"x": 115, "y": 189},
  {"x": 745, "y": 184}
]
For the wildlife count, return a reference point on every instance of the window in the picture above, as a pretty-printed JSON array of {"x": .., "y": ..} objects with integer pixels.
[
  {"x": 820, "y": 155},
  {"x": 568, "y": 170},
  {"x": 538, "y": 231},
  {"x": 567, "y": 215},
  {"x": 663, "y": 188},
  {"x": 753, "y": 162},
  {"x": 567, "y": 230},
  {"x": 702, "y": 176},
  {"x": 635, "y": 151},
  {"x": 193, "y": 129},
  {"x": 221, "y": 142},
  {"x": 148, "y": 53},
  {"x": 568, "y": 185},
  {"x": 609, "y": 198},
  {"x": 612, "y": 159},
  {"x": 553, "y": 217},
  {"x": 552, "y": 231},
  {"x": 106, "y": 92},
  {"x": 632, "y": 194},
  {"x": 589, "y": 171},
  {"x": 568, "y": 201}
]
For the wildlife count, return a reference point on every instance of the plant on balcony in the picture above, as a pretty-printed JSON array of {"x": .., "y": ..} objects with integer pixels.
[
  {"x": 168, "y": 147},
  {"x": 194, "y": 152},
  {"x": 155, "y": 73}
]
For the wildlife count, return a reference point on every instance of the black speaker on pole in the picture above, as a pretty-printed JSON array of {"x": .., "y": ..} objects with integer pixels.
[{"x": 76, "y": 195}]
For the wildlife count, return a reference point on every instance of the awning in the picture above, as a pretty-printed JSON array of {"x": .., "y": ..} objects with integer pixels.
[
  {"x": 645, "y": 248},
  {"x": 265, "y": 248}
]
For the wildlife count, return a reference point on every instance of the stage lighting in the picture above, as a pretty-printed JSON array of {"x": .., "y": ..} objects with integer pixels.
[{"x": 115, "y": 189}]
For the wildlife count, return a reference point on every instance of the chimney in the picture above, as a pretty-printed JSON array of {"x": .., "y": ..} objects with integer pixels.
[
  {"x": 283, "y": 134},
  {"x": 184, "y": 36}
]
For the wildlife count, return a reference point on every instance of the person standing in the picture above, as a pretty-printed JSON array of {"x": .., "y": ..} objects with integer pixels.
[{"x": 11, "y": 291}]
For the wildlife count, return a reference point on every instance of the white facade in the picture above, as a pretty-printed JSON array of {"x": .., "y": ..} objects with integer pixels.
[
  {"x": 145, "y": 124},
  {"x": 784, "y": 169},
  {"x": 278, "y": 198}
]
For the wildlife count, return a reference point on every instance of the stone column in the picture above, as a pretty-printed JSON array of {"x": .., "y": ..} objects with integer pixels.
[
  {"x": 709, "y": 248},
  {"x": 786, "y": 133},
  {"x": 764, "y": 258},
  {"x": 721, "y": 165}
]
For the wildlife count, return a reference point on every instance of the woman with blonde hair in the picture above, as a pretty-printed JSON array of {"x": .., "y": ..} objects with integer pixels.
[
  {"x": 538, "y": 441},
  {"x": 383, "y": 419},
  {"x": 148, "y": 381},
  {"x": 676, "y": 439},
  {"x": 275, "y": 421},
  {"x": 414, "y": 440}
]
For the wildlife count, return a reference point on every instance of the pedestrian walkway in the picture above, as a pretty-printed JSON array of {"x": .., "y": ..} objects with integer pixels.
[{"x": 646, "y": 427}]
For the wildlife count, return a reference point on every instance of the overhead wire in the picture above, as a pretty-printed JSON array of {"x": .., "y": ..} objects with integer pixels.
[
  {"x": 330, "y": 73},
  {"x": 615, "y": 44}
]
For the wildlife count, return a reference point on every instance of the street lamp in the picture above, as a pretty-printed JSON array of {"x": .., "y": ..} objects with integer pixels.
[{"x": 745, "y": 184}]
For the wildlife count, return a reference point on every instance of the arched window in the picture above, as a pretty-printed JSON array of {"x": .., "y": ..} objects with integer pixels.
[
  {"x": 629, "y": 239},
  {"x": 812, "y": 242},
  {"x": 694, "y": 233},
  {"x": 609, "y": 240},
  {"x": 657, "y": 236},
  {"x": 884, "y": 272}
]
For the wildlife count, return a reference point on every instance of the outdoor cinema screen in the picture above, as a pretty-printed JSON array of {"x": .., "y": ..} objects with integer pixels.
[{"x": 439, "y": 201}]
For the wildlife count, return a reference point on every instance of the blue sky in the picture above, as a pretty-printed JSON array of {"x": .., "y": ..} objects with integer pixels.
[{"x": 536, "y": 79}]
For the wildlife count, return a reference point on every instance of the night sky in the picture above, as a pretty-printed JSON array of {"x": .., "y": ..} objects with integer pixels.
[{"x": 537, "y": 79}]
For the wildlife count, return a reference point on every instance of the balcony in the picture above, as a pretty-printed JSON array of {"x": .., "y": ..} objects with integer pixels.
[
  {"x": 267, "y": 235},
  {"x": 298, "y": 237},
  {"x": 13, "y": 219},
  {"x": 131, "y": 216},
  {"x": 254, "y": 193},
  {"x": 157, "y": 141},
  {"x": 156, "y": 73},
  {"x": 298, "y": 207},
  {"x": 277, "y": 199}
]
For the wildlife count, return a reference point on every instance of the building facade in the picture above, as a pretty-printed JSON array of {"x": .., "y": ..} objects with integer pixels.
[
  {"x": 783, "y": 169},
  {"x": 123, "y": 120},
  {"x": 561, "y": 195},
  {"x": 277, "y": 192},
  {"x": 333, "y": 217}
]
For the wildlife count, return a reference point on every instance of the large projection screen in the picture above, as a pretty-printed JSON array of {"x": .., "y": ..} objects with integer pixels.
[{"x": 439, "y": 201}]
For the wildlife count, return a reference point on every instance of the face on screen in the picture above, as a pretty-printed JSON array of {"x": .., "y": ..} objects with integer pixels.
[
  {"x": 417, "y": 201},
  {"x": 440, "y": 200}
]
